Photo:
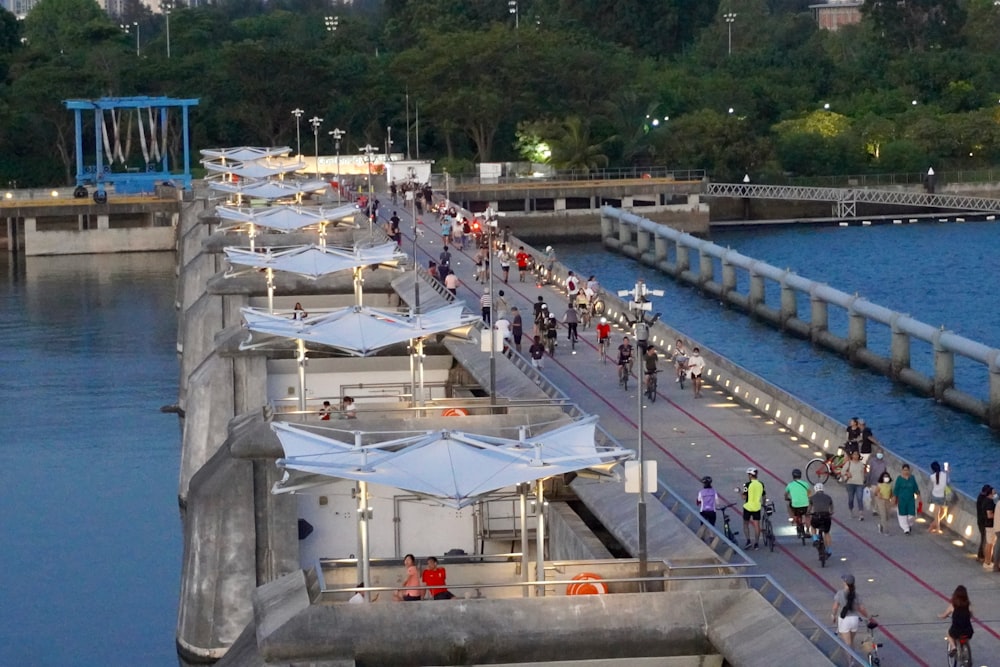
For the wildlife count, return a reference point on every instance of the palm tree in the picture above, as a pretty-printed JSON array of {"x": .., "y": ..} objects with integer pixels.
[{"x": 572, "y": 148}]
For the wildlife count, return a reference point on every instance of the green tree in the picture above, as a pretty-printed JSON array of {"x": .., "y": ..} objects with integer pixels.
[{"x": 917, "y": 25}]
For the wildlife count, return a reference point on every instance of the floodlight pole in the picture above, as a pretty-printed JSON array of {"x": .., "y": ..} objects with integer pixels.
[
  {"x": 491, "y": 223},
  {"x": 368, "y": 149}
]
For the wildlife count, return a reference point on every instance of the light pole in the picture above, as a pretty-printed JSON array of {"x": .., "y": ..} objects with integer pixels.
[
  {"x": 512, "y": 8},
  {"x": 316, "y": 121},
  {"x": 331, "y": 23},
  {"x": 337, "y": 133},
  {"x": 369, "y": 150},
  {"x": 388, "y": 143},
  {"x": 640, "y": 304},
  {"x": 730, "y": 18},
  {"x": 298, "y": 130},
  {"x": 127, "y": 28},
  {"x": 167, "y": 6}
]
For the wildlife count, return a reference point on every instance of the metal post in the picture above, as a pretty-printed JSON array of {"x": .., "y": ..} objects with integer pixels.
[
  {"x": 730, "y": 17},
  {"x": 407, "y": 123},
  {"x": 388, "y": 143},
  {"x": 523, "y": 497},
  {"x": 491, "y": 225},
  {"x": 368, "y": 149},
  {"x": 337, "y": 133},
  {"x": 540, "y": 537},
  {"x": 167, "y": 6},
  {"x": 364, "y": 513},
  {"x": 298, "y": 132},
  {"x": 641, "y": 505},
  {"x": 136, "y": 24},
  {"x": 301, "y": 358},
  {"x": 316, "y": 121},
  {"x": 412, "y": 196}
]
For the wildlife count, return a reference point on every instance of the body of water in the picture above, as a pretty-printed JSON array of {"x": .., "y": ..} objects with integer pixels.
[
  {"x": 942, "y": 274},
  {"x": 91, "y": 529}
]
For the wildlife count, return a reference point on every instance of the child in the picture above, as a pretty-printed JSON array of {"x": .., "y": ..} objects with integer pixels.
[{"x": 883, "y": 498}]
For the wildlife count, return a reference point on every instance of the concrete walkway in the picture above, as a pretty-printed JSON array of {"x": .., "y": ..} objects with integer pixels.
[{"x": 906, "y": 580}]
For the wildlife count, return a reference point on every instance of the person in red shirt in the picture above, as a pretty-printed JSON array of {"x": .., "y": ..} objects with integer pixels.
[
  {"x": 522, "y": 259},
  {"x": 603, "y": 336},
  {"x": 434, "y": 576}
]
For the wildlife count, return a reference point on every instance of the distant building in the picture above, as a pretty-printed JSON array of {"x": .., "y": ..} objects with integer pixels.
[
  {"x": 20, "y": 8},
  {"x": 833, "y": 14}
]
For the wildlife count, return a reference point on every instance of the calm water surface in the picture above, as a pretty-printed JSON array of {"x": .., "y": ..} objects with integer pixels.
[
  {"x": 92, "y": 547},
  {"x": 938, "y": 273}
]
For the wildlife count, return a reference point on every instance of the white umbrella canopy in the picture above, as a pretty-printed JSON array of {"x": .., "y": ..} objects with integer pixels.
[
  {"x": 255, "y": 169},
  {"x": 452, "y": 467},
  {"x": 269, "y": 189},
  {"x": 244, "y": 153},
  {"x": 358, "y": 330},
  {"x": 313, "y": 261},
  {"x": 284, "y": 218}
]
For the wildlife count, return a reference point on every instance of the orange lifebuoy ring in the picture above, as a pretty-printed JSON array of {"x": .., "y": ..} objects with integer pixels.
[
  {"x": 588, "y": 584},
  {"x": 455, "y": 412}
]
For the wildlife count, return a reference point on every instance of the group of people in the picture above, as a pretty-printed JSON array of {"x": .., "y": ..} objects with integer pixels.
[
  {"x": 348, "y": 410},
  {"x": 433, "y": 577}
]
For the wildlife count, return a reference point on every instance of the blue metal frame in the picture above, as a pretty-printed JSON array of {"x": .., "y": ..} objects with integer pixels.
[{"x": 97, "y": 174}]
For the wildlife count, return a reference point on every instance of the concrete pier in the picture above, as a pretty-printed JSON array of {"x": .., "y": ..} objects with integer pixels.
[{"x": 619, "y": 228}]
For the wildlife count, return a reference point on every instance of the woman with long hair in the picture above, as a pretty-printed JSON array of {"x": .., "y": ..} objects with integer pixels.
[
  {"x": 848, "y": 610},
  {"x": 960, "y": 611}
]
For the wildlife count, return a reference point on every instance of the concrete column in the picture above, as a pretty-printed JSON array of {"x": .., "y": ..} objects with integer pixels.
[
  {"x": 819, "y": 318},
  {"x": 81, "y": 222},
  {"x": 659, "y": 248},
  {"x": 607, "y": 227},
  {"x": 789, "y": 304},
  {"x": 993, "y": 407},
  {"x": 30, "y": 226},
  {"x": 899, "y": 350},
  {"x": 756, "y": 296},
  {"x": 728, "y": 277},
  {"x": 624, "y": 233},
  {"x": 683, "y": 258},
  {"x": 11, "y": 235},
  {"x": 642, "y": 241},
  {"x": 527, "y": 205},
  {"x": 944, "y": 368},
  {"x": 559, "y": 204},
  {"x": 103, "y": 222},
  {"x": 706, "y": 268},
  {"x": 628, "y": 201},
  {"x": 857, "y": 333}
]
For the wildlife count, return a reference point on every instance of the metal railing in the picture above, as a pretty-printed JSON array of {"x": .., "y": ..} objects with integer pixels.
[{"x": 624, "y": 173}]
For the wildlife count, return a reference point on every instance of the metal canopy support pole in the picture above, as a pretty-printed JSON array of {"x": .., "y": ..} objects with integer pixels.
[
  {"x": 164, "y": 155},
  {"x": 412, "y": 196},
  {"x": 540, "y": 537},
  {"x": 420, "y": 367},
  {"x": 99, "y": 157},
  {"x": 641, "y": 505},
  {"x": 359, "y": 282},
  {"x": 187, "y": 149},
  {"x": 270, "y": 290},
  {"x": 302, "y": 374},
  {"x": 78, "y": 120},
  {"x": 525, "y": 544}
]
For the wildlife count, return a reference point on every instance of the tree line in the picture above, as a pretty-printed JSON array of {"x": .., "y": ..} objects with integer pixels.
[{"x": 732, "y": 87}]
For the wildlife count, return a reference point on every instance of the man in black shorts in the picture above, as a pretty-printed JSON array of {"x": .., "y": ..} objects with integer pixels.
[{"x": 821, "y": 511}]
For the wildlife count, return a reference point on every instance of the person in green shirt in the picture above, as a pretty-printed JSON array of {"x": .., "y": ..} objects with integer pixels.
[
  {"x": 753, "y": 494},
  {"x": 906, "y": 495},
  {"x": 797, "y": 496}
]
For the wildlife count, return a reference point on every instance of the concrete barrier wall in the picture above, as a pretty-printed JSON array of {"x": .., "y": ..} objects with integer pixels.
[{"x": 91, "y": 241}]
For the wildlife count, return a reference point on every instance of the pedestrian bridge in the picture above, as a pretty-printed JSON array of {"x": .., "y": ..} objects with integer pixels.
[{"x": 847, "y": 199}]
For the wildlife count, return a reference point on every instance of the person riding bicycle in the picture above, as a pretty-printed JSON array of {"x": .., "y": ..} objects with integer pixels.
[
  {"x": 821, "y": 513},
  {"x": 625, "y": 354},
  {"x": 571, "y": 319},
  {"x": 797, "y": 496},
  {"x": 603, "y": 332},
  {"x": 650, "y": 359},
  {"x": 960, "y": 610},
  {"x": 541, "y": 312},
  {"x": 753, "y": 496}
]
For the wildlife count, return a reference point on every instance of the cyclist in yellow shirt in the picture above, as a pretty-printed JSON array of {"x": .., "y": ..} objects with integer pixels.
[{"x": 753, "y": 494}]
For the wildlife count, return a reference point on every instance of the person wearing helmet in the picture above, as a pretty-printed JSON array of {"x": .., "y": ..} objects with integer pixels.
[
  {"x": 753, "y": 496},
  {"x": 603, "y": 337},
  {"x": 540, "y": 315},
  {"x": 707, "y": 500},
  {"x": 821, "y": 511},
  {"x": 797, "y": 497}
]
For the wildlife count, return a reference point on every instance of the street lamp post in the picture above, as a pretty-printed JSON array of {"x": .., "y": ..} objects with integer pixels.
[
  {"x": 513, "y": 9},
  {"x": 388, "y": 143},
  {"x": 640, "y": 304},
  {"x": 491, "y": 225},
  {"x": 167, "y": 6},
  {"x": 337, "y": 133},
  {"x": 316, "y": 121},
  {"x": 369, "y": 150},
  {"x": 730, "y": 18},
  {"x": 298, "y": 130}
]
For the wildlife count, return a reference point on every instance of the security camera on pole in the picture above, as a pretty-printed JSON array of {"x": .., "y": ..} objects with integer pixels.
[{"x": 640, "y": 475}]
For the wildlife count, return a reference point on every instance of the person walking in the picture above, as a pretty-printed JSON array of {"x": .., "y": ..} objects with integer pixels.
[
  {"x": 853, "y": 474},
  {"x": 486, "y": 303},
  {"x": 906, "y": 497},
  {"x": 708, "y": 499},
  {"x": 876, "y": 467},
  {"x": 882, "y": 499},
  {"x": 516, "y": 327},
  {"x": 848, "y": 610},
  {"x": 753, "y": 495},
  {"x": 537, "y": 353},
  {"x": 939, "y": 496},
  {"x": 985, "y": 505}
]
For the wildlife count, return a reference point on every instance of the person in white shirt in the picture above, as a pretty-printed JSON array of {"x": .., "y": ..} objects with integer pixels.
[{"x": 696, "y": 365}]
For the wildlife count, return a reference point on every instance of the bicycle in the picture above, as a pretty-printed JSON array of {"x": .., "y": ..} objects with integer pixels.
[
  {"x": 963, "y": 653},
  {"x": 766, "y": 527},
  {"x": 550, "y": 346},
  {"x": 820, "y": 545},
  {"x": 623, "y": 373},
  {"x": 651, "y": 386},
  {"x": 870, "y": 646},
  {"x": 727, "y": 530},
  {"x": 602, "y": 348},
  {"x": 821, "y": 470}
]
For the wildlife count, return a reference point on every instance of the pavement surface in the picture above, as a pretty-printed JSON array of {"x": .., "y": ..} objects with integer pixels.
[{"x": 906, "y": 580}]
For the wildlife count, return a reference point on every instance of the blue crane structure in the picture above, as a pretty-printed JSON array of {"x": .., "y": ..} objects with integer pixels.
[{"x": 151, "y": 120}]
